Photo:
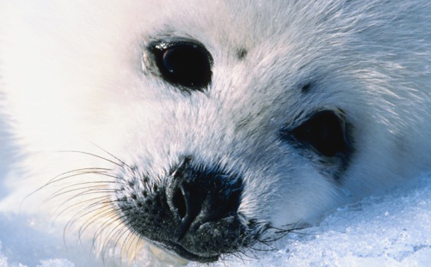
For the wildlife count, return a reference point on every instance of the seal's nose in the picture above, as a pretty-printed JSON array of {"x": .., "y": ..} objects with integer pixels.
[
  {"x": 194, "y": 211},
  {"x": 198, "y": 195}
]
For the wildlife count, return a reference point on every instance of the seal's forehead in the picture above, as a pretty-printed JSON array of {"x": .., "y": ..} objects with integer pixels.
[
  {"x": 238, "y": 24},
  {"x": 226, "y": 20}
]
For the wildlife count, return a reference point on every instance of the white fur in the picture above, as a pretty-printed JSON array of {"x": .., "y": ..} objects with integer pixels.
[{"x": 71, "y": 78}]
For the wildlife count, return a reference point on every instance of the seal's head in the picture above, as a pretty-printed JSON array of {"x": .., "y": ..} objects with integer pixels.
[
  {"x": 231, "y": 122},
  {"x": 232, "y": 158},
  {"x": 256, "y": 131},
  {"x": 221, "y": 182}
]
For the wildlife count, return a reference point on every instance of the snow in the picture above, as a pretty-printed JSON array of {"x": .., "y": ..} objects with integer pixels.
[{"x": 390, "y": 230}]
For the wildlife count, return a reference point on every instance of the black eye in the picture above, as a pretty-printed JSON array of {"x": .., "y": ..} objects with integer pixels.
[
  {"x": 184, "y": 64},
  {"x": 324, "y": 131}
]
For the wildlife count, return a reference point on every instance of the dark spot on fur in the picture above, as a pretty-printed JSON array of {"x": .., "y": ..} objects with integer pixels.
[
  {"x": 241, "y": 53},
  {"x": 306, "y": 88}
]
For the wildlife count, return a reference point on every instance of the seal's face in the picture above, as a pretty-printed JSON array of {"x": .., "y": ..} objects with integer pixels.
[
  {"x": 229, "y": 122},
  {"x": 199, "y": 210},
  {"x": 237, "y": 156}
]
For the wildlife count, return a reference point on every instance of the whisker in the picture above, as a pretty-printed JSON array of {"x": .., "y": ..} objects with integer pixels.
[
  {"x": 85, "y": 190},
  {"x": 115, "y": 236},
  {"x": 63, "y": 178},
  {"x": 57, "y": 178},
  {"x": 79, "y": 171},
  {"x": 104, "y": 226},
  {"x": 111, "y": 222},
  {"x": 112, "y": 155},
  {"x": 130, "y": 239},
  {"x": 92, "y": 155},
  {"x": 104, "y": 213},
  {"x": 82, "y": 213},
  {"x": 87, "y": 202},
  {"x": 80, "y": 203}
]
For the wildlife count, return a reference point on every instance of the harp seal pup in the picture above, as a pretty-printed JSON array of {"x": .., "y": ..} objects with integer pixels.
[{"x": 208, "y": 127}]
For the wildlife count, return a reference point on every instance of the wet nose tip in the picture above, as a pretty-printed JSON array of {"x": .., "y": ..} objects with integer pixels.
[{"x": 198, "y": 195}]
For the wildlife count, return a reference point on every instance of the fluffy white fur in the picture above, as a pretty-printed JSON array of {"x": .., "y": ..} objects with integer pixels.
[{"x": 72, "y": 80}]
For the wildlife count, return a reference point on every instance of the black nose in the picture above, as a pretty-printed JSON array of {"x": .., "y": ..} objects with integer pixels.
[
  {"x": 193, "y": 211},
  {"x": 198, "y": 195}
]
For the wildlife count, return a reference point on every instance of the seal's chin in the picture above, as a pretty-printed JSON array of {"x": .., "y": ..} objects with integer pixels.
[{"x": 184, "y": 253}]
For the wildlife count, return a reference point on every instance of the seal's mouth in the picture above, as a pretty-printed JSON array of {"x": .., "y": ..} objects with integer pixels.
[
  {"x": 183, "y": 252},
  {"x": 193, "y": 212}
]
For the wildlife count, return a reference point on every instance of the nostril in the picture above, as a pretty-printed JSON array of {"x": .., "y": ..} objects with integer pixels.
[
  {"x": 197, "y": 195},
  {"x": 179, "y": 202}
]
